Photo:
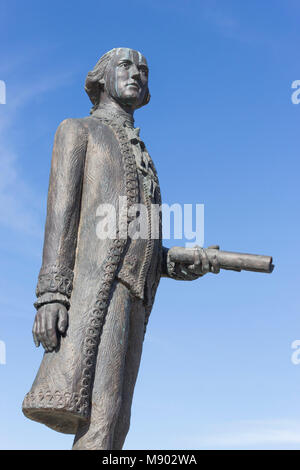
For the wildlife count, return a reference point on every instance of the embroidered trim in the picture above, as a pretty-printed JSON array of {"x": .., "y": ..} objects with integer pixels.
[
  {"x": 159, "y": 264},
  {"x": 48, "y": 399},
  {"x": 150, "y": 242},
  {"x": 129, "y": 280},
  {"x": 55, "y": 279},
  {"x": 50, "y": 298},
  {"x": 98, "y": 312}
]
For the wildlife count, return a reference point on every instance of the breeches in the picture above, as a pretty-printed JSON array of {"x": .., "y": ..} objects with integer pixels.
[{"x": 117, "y": 366}]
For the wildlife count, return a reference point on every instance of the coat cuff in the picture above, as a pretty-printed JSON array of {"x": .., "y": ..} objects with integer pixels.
[
  {"x": 55, "y": 284},
  {"x": 50, "y": 298}
]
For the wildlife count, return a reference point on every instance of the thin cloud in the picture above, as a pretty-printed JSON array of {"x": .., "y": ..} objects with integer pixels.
[
  {"x": 250, "y": 434},
  {"x": 19, "y": 204}
]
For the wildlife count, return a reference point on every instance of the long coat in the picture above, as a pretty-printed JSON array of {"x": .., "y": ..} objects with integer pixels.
[{"x": 94, "y": 162}]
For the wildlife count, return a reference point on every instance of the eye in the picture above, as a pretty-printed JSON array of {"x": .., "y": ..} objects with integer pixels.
[
  {"x": 125, "y": 65},
  {"x": 144, "y": 70}
]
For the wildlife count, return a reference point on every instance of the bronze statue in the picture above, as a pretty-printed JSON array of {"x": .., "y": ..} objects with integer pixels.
[{"x": 94, "y": 293}]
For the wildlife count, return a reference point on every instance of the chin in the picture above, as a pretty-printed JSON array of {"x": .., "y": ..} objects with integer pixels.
[
  {"x": 132, "y": 94},
  {"x": 130, "y": 100}
]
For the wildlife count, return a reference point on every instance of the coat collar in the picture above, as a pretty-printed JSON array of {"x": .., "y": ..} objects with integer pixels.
[{"x": 120, "y": 117}]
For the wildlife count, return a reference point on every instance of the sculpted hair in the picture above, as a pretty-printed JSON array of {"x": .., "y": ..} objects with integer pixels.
[{"x": 95, "y": 80}]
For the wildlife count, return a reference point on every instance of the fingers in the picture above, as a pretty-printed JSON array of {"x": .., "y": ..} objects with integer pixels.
[
  {"x": 204, "y": 261},
  {"x": 215, "y": 265},
  {"x": 50, "y": 332},
  {"x": 191, "y": 272},
  {"x": 44, "y": 329},
  {"x": 38, "y": 326},
  {"x": 62, "y": 319},
  {"x": 203, "y": 264},
  {"x": 196, "y": 268}
]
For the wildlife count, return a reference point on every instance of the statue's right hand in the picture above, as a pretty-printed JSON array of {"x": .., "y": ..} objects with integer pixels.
[{"x": 50, "y": 321}]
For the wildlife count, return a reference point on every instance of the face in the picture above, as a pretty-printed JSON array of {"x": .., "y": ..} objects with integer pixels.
[{"x": 127, "y": 77}]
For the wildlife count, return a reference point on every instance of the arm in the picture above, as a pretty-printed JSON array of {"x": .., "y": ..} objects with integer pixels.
[{"x": 54, "y": 286}]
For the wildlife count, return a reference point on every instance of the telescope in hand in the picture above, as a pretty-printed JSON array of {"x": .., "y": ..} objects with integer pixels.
[{"x": 228, "y": 259}]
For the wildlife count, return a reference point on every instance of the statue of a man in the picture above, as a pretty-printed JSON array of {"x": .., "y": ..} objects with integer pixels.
[{"x": 95, "y": 293}]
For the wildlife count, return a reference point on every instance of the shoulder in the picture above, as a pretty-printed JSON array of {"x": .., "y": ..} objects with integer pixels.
[
  {"x": 74, "y": 134},
  {"x": 71, "y": 127},
  {"x": 82, "y": 126},
  {"x": 71, "y": 136},
  {"x": 70, "y": 142}
]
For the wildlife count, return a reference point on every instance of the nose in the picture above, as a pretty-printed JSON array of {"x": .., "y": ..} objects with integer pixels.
[{"x": 135, "y": 73}]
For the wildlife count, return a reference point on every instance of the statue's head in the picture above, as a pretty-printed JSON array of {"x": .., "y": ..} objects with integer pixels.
[{"x": 122, "y": 74}]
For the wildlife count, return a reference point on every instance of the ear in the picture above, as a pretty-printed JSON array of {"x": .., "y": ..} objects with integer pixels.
[
  {"x": 146, "y": 99},
  {"x": 102, "y": 84}
]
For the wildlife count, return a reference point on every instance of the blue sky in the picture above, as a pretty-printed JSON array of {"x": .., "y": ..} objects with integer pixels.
[{"x": 216, "y": 370}]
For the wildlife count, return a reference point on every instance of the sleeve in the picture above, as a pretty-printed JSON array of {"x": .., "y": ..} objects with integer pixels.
[
  {"x": 175, "y": 270},
  {"x": 55, "y": 279}
]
